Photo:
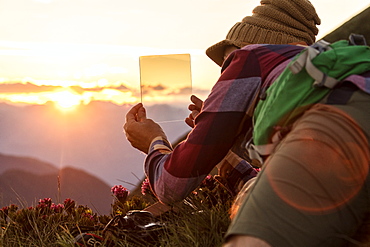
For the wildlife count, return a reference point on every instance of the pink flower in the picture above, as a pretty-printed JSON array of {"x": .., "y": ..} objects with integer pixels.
[
  {"x": 5, "y": 210},
  {"x": 69, "y": 205},
  {"x": 88, "y": 215},
  {"x": 69, "y": 201},
  {"x": 207, "y": 178},
  {"x": 46, "y": 201},
  {"x": 57, "y": 208},
  {"x": 42, "y": 205},
  {"x": 208, "y": 181},
  {"x": 145, "y": 187},
  {"x": 120, "y": 192}
]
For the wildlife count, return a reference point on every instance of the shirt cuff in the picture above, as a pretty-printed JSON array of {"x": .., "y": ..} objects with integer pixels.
[{"x": 160, "y": 143}]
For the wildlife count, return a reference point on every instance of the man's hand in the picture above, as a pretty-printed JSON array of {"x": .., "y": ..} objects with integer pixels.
[
  {"x": 139, "y": 130},
  {"x": 195, "y": 109}
]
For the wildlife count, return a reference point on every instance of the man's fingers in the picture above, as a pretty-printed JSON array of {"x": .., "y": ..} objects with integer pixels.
[
  {"x": 141, "y": 114},
  {"x": 197, "y": 102},
  {"x": 194, "y": 113},
  {"x": 132, "y": 113},
  {"x": 192, "y": 107},
  {"x": 189, "y": 122}
]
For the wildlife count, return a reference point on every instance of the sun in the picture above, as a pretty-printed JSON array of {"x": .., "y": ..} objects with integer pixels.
[{"x": 66, "y": 100}]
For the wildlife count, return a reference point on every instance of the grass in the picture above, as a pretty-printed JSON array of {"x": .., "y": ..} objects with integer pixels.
[{"x": 200, "y": 220}]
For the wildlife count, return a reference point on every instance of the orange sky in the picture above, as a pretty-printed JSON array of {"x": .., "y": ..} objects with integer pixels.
[{"x": 73, "y": 52}]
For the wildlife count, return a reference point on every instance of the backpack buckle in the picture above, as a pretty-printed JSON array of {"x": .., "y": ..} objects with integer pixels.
[
  {"x": 357, "y": 39},
  {"x": 321, "y": 46}
]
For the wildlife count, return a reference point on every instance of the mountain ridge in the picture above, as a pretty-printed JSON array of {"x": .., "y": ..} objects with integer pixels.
[
  {"x": 22, "y": 187},
  {"x": 30, "y": 164}
]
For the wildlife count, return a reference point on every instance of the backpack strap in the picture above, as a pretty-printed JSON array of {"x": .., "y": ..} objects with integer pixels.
[
  {"x": 305, "y": 61},
  {"x": 258, "y": 153}
]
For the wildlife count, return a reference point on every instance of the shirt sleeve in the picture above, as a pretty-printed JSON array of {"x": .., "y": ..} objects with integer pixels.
[{"x": 173, "y": 174}]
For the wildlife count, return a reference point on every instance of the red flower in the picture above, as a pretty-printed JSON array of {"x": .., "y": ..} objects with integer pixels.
[
  {"x": 5, "y": 210},
  {"x": 145, "y": 187},
  {"x": 120, "y": 192},
  {"x": 57, "y": 208},
  {"x": 69, "y": 205},
  {"x": 46, "y": 201}
]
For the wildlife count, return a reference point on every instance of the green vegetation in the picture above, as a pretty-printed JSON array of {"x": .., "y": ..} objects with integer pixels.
[{"x": 200, "y": 220}]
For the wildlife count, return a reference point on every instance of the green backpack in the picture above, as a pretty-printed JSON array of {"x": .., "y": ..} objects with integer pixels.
[{"x": 306, "y": 80}]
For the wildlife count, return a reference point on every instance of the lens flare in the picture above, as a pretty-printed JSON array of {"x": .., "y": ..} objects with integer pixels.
[{"x": 65, "y": 99}]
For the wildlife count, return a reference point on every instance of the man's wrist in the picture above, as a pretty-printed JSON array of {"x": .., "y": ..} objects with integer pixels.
[{"x": 160, "y": 143}]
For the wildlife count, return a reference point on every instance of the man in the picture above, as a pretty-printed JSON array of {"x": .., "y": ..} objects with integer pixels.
[
  {"x": 173, "y": 174},
  {"x": 312, "y": 190}
]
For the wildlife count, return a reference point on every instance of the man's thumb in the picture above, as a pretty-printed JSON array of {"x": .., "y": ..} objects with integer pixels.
[{"x": 141, "y": 114}]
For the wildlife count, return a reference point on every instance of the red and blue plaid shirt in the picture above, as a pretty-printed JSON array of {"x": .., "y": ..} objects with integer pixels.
[{"x": 174, "y": 173}]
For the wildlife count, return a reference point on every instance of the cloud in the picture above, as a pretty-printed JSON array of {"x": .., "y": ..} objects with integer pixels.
[
  {"x": 81, "y": 90},
  {"x": 157, "y": 88},
  {"x": 121, "y": 88},
  {"x": 21, "y": 88},
  {"x": 185, "y": 90},
  {"x": 146, "y": 89},
  {"x": 28, "y": 87}
]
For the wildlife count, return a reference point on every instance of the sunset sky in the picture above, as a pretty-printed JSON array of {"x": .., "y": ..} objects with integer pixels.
[{"x": 76, "y": 51}]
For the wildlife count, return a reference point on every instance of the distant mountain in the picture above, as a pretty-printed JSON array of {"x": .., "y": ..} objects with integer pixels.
[
  {"x": 25, "y": 184},
  {"x": 89, "y": 138},
  {"x": 26, "y": 164}
]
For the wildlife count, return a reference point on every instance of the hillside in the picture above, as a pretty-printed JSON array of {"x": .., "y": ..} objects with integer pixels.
[
  {"x": 26, "y": 183},
  {"x": 28, "y": 164}
]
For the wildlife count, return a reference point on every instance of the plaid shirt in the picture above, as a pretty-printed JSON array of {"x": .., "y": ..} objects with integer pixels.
[{"x": 174, "y": 173}]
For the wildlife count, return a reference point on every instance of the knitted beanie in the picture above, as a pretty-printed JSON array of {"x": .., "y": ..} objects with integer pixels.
[{"x": 273, "y": 22}]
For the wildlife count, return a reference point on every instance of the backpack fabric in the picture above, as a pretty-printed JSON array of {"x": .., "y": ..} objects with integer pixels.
[{"x": 306, "y": 80}]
